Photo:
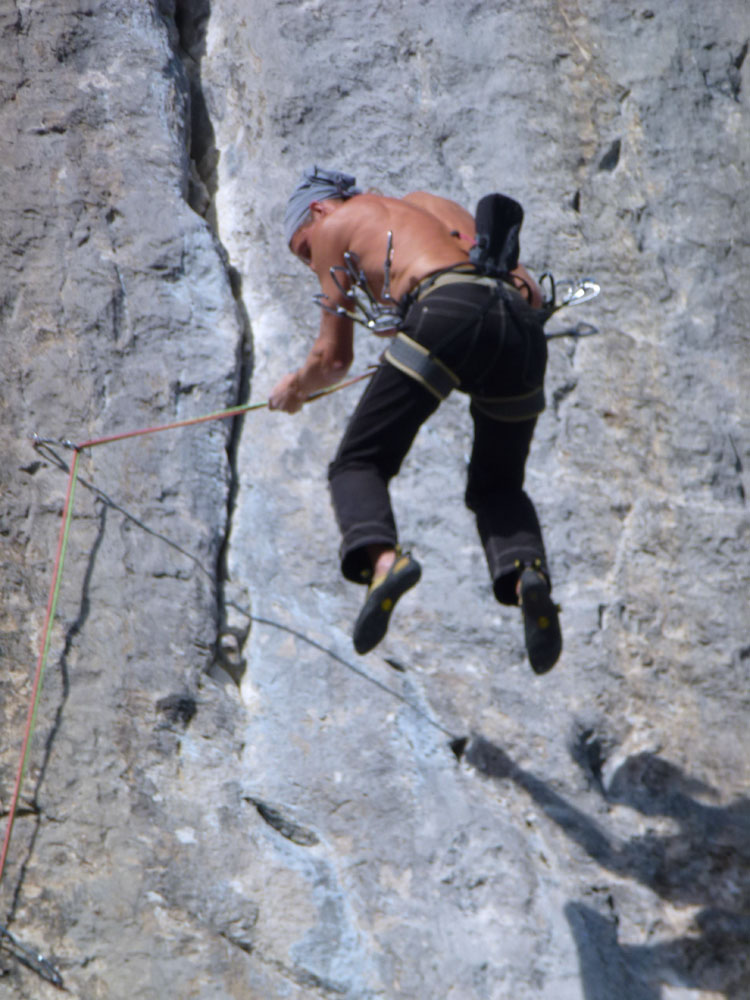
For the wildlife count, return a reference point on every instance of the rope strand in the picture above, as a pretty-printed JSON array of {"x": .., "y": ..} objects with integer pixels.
[
  {"x": 62, "y": 546},
  {"x": 43, "y": 652}
]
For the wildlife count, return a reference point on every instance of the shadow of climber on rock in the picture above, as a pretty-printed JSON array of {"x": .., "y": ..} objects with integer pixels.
[
  {"x": 706, "y": 862},
  {"x": 715, "y": 958}
]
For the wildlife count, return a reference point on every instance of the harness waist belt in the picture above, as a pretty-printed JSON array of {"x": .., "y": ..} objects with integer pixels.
[{"x": 429, "y": 284}]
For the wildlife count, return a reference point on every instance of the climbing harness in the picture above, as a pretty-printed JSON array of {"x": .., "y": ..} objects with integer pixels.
[
  {"x": 425, "y": 367},
  {"x": 510, "y": 409},
  {"x": 459, "y": 274},
  {"x": 421, "y": 364}
]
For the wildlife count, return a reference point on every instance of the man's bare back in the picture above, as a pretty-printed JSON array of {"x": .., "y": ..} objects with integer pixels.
[{"x": 422, "y": 241}]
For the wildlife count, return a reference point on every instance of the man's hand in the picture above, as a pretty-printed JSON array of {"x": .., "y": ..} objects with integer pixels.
[{"x": 286, "y": 395}]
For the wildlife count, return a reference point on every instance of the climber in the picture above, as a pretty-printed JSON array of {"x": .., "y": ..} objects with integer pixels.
[{"x": 461, "y": 326}]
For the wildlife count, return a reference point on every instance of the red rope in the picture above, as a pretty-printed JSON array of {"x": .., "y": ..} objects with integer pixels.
[
  {"x": 220, "y": 415},
  {"x": 60, "y": 557},
  {"x": 41, "y": 661},
  {"x": 235, "y": 411}
]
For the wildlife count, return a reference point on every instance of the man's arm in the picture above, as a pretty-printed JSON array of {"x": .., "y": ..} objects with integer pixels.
[
  {"x": 331, "y": 355},
  {"x": 329, "y": 360}
]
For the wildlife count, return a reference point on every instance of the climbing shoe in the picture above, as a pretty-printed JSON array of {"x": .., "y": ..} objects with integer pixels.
[
  {"x": 384, "y": 591},
  {"x": 540, "y": 621}
]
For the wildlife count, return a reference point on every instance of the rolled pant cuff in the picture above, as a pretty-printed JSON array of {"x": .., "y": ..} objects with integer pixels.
[
  {"x": 505, "y": 574},
  {"x": 355, "y": 562}
]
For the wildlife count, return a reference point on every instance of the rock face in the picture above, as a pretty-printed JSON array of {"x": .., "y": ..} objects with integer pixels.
[{"x": 222, "y": 799}]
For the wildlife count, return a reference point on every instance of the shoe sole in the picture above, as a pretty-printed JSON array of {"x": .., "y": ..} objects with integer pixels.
[
  {"x": 372, "y": 623},
  {"x": 541, "y": 625}
]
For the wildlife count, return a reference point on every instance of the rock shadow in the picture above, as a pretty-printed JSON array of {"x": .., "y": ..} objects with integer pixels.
[
  {"x": 188, "y": 21},
  {"x": 191, "y": 19},
  {"x": 705, "y": 862}
]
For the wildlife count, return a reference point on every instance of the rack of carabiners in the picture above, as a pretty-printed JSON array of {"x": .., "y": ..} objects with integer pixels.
[{"x": 381, "y": 315}]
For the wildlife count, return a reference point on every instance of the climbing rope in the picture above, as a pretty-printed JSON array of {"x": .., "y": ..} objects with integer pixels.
[
  {"x": 43, "y": 652},
  {"x": 62, "y": 546},
  {"x": 455, "y": 741}
]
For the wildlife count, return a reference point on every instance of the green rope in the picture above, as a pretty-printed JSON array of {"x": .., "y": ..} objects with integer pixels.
[{"x": 43, "y": 655}]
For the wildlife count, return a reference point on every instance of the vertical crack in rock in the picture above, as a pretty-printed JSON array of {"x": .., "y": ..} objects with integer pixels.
[
  {"x": 231, "y": 637},
  {"x": 187, "y": 21},
  {"x": 190, "y": 19},
  {"x": 738, "y": 469}
]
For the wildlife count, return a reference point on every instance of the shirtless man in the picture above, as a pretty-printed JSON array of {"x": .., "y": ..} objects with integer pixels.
[{"x": 486, "y": 333}]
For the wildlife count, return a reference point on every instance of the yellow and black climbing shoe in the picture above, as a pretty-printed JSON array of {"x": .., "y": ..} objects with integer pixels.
[
  {"x": 384, "y": 591},
  {"x": 540, "y": 621}
]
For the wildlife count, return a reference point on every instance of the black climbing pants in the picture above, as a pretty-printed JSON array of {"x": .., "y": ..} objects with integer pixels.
[{"x": 497, "y": 347}]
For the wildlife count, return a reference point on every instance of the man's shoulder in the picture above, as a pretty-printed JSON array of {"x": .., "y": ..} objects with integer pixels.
[
  {"x": 356, "y": 211},
  {"x": 345, "y": 229},
  {"x": 448, "y": 212},
  {"x": 416, "y": 196},
  {"x": 428, "y": 200}
]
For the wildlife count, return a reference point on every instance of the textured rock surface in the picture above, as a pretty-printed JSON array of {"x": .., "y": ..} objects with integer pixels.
[{"x": 309, "y": 832}]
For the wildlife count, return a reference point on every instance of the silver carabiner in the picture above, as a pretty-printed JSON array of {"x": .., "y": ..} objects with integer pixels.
[{"x": 575, "y": 293}]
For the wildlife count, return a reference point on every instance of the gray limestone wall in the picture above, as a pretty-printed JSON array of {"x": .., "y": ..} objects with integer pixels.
[{"x": 222, "y": 799}]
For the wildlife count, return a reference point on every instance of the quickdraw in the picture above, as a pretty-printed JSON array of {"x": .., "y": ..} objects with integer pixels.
[{"x": 379, "y": 316}]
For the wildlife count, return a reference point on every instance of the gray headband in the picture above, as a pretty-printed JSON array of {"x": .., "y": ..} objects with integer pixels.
[{"x": 316, "y": 184}]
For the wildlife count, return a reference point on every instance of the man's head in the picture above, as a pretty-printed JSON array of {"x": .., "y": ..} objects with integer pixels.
[{"x": 315, "y": 185}]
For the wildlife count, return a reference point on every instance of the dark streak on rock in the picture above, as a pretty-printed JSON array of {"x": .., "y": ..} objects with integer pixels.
[
  {"x": 286, "y": 827},
  {"x": 612, "y": 157},
  {"x": 177, "y": 708},
  {"x": 395, "y": 664},
  {"x": 562, "y": 392}
]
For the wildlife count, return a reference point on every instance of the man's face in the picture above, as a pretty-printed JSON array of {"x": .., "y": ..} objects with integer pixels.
[{"x": 300, "y": 244}]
